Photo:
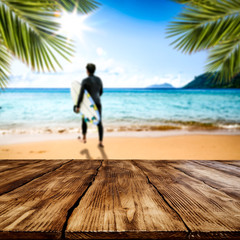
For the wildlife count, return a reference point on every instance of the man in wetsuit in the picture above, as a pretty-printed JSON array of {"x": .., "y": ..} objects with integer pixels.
[{"x": 94, "y": 86}]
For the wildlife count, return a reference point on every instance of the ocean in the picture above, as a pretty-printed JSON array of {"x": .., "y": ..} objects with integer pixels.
[{"x": 51, "y": 110}]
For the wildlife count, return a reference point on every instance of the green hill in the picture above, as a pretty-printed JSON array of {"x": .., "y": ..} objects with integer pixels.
[{"x": 208, "y": 81}]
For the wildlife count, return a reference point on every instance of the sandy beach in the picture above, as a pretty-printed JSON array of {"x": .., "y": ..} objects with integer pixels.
[{"x": 187, "y": 147}]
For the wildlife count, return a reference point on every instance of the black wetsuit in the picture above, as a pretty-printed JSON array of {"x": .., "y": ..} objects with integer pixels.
[{"x": 94, "y": 86}]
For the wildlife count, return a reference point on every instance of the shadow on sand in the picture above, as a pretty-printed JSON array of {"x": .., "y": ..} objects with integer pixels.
[{"x": 88, "y": 155}]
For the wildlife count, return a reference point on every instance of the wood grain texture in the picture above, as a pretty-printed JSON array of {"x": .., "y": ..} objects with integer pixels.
[
  {"x": 235, "y": 163},
  {"x": 17, "y": 176},
  {"x": 204, "y": 209},
  {"x": 6, "y": 165},
  {"x": 119, "y": 199},
  {"x": 39, "y": 208},
  {"x": 213, "y": 176},
  {"x": 230, "y": 169},
  {"x": 122, "y": 204}
]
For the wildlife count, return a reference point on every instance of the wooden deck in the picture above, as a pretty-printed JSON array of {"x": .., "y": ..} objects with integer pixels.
[{"x": 109, "y": 199}]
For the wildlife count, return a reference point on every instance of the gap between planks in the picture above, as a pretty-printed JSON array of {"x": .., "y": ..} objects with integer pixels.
[
  {"x": 161, "y": 195},
  {"x": 70, "y": 211},
  {"x": 35, "y": 177},
  {"x": 75, "y": 205}
]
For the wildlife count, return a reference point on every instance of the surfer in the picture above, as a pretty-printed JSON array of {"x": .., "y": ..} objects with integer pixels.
[{"x": 94, "y": 86}]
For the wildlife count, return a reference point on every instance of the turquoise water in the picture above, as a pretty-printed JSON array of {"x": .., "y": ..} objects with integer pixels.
[{"x": 123, "y": 109}]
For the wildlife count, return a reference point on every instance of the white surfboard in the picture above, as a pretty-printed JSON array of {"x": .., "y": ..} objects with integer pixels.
[{"x": 87, "y": 107}]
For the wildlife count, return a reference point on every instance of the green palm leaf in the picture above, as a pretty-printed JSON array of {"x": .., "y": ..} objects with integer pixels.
[
  {"x": 210, "y": 24},
  {"x": 30, "y": 34},
  {"x": 5, "y": 62},
  {"x": 226, "y": 58},
  {"x": 195, "y": 2},
  {"x": 29, "y": 31},
  {"x": 83, "y": 6}
]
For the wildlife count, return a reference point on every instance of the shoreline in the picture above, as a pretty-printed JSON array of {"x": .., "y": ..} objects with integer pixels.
[
  {"x": 134, "y": 127},
  {"x": 170, "y": 145},
  {"x": 18, "y": 138}
]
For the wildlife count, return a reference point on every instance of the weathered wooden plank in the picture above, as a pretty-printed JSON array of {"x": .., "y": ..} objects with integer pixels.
[
  {"x": 230, "y": 184},
  {"x": 6, "y": 165},
  {"x": 206, "y": 211},
  {"x": 15, "y": 177},
  {"x": 235, "y": 163},
  {"x": 122, "y": 204},
  {"x": 38, "y": 210},
  {"x": 222, "y": 166},
  {"x": 134, "y": 235}
]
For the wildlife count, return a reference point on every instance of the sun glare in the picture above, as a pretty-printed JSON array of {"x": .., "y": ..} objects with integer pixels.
[{"x": 73, "y": 25}]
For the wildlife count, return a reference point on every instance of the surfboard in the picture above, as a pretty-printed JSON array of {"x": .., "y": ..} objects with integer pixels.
[{"x": 88, "y": 108}]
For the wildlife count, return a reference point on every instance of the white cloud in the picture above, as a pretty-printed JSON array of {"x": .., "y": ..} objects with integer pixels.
[
  {"x": 100, "y": 52},
  {"x": 113, "y": 74},
  {"x": 77, "y": 64},
  {"x": 104, "y": 65}
]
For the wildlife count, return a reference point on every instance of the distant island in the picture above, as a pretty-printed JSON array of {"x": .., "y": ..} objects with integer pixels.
[
  {"x": 207, "y": 80},
  {"x": 164, "y": 85}
]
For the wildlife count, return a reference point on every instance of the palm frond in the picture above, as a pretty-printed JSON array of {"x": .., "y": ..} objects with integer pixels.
[
  {"x": 195, "y": 2},
  {"x": 226, "y": 58},
  {"x": 30, "y": 33},
  {"x": 82, "y": 6},
  {"x": 5, "y": 62},
  {"x": 199, "y": 28},
  {"x": 209, "y": 24}
]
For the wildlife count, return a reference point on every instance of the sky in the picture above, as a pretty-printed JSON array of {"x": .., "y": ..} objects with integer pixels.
[{"x": 126, "y": 39}]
